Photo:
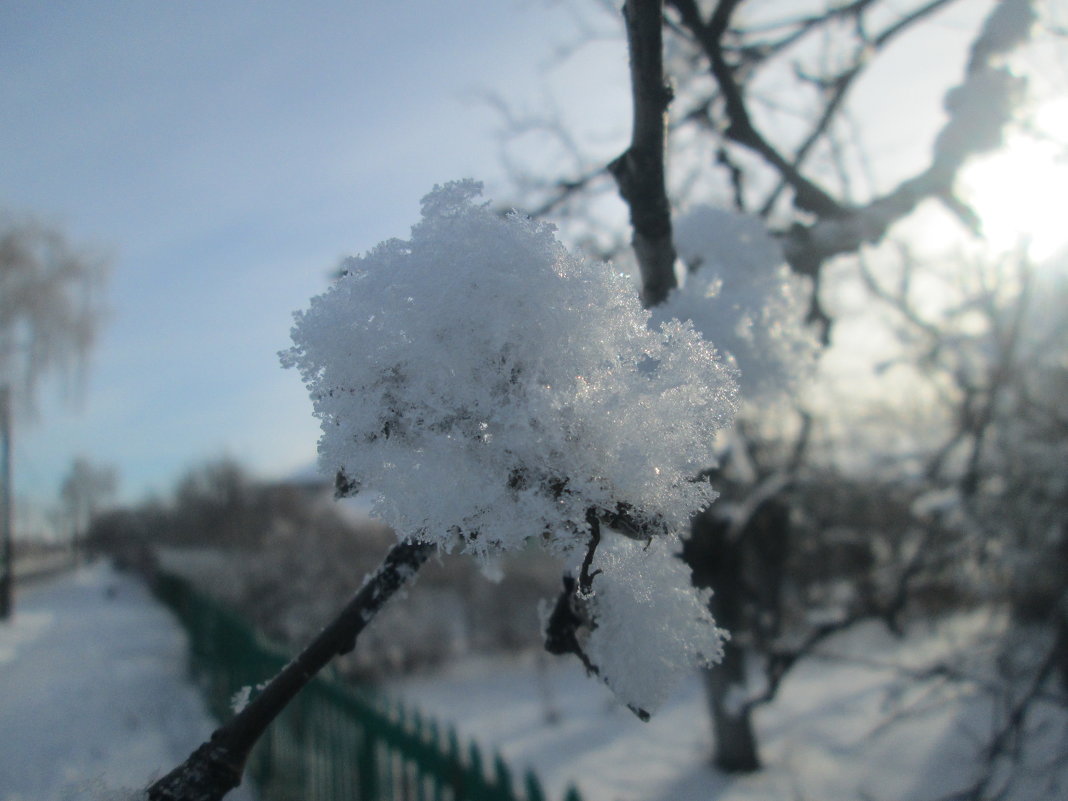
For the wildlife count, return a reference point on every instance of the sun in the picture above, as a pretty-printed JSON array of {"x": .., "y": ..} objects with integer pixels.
[{"x": 1020, "y": 193}]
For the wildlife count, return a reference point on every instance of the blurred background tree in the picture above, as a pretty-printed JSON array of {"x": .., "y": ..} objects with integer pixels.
[
  {"x": 85, "y": 490},
  {"x": 764, "y": 112},
  {"x": 51, "y": 307}
]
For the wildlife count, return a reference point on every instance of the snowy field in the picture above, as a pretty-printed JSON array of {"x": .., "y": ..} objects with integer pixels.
[
  {"x": 93, "y": 694},
  {"x": 846, "y": 726}
]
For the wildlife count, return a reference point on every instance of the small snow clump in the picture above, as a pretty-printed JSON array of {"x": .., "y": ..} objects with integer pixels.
[
  {"x": 740, "y": 294},
  {"x": 239, "y": 700},
  {"x": 980, "y": 106},
  {"x": 641, "y": 587}
]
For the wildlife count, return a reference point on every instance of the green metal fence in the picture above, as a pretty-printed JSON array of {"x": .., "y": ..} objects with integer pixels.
[{"x": 334, "y": 742}]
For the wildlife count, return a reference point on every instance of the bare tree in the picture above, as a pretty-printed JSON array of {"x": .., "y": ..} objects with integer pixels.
[
  {"x": 85, "y": 489},
  {"x": 991, "y": 355},
  {"x": 819, "y": 225},
  {"x": 50, "y": 311},
  {"x": 772, "y": 147}
]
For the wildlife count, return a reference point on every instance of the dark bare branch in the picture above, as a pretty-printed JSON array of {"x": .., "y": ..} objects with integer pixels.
[
  {"x": 740, "y": 128},
  {"x": 837, "y": 87},
  {"x": 807, "y": 247},
  {"x": 640, "y": 172},
  {"x": 216, "y": 767}
]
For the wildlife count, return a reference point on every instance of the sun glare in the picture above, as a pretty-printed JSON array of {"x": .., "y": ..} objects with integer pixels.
[{"x": 1021, "y": 192}]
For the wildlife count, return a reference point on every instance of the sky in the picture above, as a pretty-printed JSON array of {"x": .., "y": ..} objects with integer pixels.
[{"x": 227, "y": 155}]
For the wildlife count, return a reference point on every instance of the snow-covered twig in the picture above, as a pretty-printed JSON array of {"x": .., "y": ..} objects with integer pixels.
[{"x": 216, "y": 767}]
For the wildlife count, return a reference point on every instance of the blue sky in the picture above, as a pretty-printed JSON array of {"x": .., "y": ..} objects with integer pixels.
[{"x": 228, "y": 154}]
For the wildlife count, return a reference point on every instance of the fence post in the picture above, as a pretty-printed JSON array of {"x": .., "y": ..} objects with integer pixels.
[
  {"x": 502, "y": 780},
  {"x": 533, "y": 787},
  {"x": 367, "y": 767}
]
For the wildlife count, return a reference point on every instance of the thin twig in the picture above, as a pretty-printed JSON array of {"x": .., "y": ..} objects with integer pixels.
[{"x": 585, "y": 576}]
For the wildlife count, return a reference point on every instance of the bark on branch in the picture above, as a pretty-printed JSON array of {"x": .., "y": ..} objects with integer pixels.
[
  {"x": 640, "y": 172},
  {"x": 216, "y": 767}
]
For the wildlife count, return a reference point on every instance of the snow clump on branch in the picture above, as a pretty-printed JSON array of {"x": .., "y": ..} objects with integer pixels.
[
  {"x": 647, "y": 621},
  {"x": 494, "y": 390},
  {"x": 740, "y": 294}
]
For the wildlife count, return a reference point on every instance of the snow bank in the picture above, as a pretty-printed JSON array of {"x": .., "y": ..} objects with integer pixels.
[{"x": 95, "y": 696}]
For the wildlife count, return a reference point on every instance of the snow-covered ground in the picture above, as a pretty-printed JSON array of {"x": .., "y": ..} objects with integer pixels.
[
  {"x": 846, "y": 726},
  {"x": 93, "y": 695},
  {"x": 93, "y": 690}
]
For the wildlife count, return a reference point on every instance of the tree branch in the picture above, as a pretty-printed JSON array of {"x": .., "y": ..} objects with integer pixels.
[
  {"x": 640, "y": 172},
  {"x": 585, "y": 576},
  {"x": 839, "y": 86},
  {"x": 216, "y": 767},
  {"x": 740, "y": 128},
  {"x": 961, "y": 138}
]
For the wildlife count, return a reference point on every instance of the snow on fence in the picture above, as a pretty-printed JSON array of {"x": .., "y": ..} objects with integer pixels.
[{"x": 333, "y": 742}]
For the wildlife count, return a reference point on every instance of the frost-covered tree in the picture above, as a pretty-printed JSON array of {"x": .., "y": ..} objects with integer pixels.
[
  {"x": 496, "y": 391},
  {"x": 51, "y": 305},
  {"x": 992, "y": 354},
  {"x": 50, "y": 310},
  {"x": 989, "y": 352},
  {"x": 749, "y": 107}
]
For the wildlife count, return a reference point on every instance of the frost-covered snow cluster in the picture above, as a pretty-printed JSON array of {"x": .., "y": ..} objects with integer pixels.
[
  {"x": 640, "y": 590},
  {"x": 741, "y": 295},
  {"x": 492, "y": 388},
  {"x": 979, "y": 106},
  {"x": 495, "y": 390}
]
